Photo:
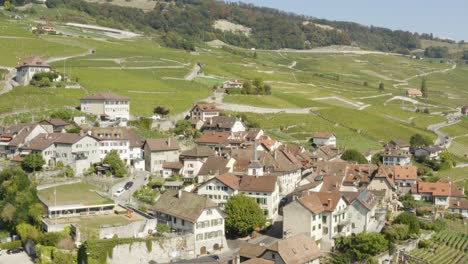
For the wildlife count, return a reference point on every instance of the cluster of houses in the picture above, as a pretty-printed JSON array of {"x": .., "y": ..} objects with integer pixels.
[{"x": 320, "y": 196}]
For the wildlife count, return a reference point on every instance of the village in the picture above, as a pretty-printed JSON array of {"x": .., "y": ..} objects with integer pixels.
[{"x": 182, "y": 187}]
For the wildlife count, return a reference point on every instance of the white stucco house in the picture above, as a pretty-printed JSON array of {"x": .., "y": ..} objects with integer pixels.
[
  {"x": 79, "y": 151},
  {"x": 458, "y": 206},
  {"x": 304, "y": 215},
  {"x": 107, "y": 106},
  {"x": 264, "y": 190},
  {"x": 224, "y": 124},
  {"x": 203, "y": 112},
  {"x": 193, "y": 161},
  {"x": 30, "y": 66},
  {"x": 13, "y": 137},
  {"x": 195, "y": 214},
  {"x": 430, "y": 152},
  {"x": 324, "y": 139}
]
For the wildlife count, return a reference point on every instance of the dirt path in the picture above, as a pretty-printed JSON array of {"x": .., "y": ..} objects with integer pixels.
[
  {"x": 193, "y": 73},
  {"x": 138, "y": 67},
  {"x": 51, "y": 60},
  {"x": 405, "y": 81}
]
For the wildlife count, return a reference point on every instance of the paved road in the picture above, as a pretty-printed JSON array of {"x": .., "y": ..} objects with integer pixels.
[
  {"x": 20, "y": 258},
  {"x": 193, "y": 73},
  {"x": 441, "y": 137},
  {"x": 139, "y": 180}
]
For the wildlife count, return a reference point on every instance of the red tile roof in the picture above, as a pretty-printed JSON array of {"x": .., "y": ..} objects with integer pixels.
[
  {"x": 33, "y": 61},
  {"x": 162, "y": 144},
  {"x": 311, "y": 201},
  {"x": 323, "y": 135},
  {"x": 211, "y": 137}
]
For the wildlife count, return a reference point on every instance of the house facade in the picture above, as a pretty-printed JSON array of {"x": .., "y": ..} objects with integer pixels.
[
  {"x": 159, "y": 151},
  {"x": 233, "y": 84},
  {"x": 324, "y": 139},
  {"x": 224, "y": 124},
  {"x": 16, "y": 136},
  {"x": 191, "y": 213},
  {"x": 429, "y": 152},
  {"x": 79, "y": 151},
  {"x": 458, "y": 206},
  {"x": 194, "y": 159},
  {"x": 30, "y": 66},
  {"x": 107, "y": 106},
  {"x": 203, "y": 112}
]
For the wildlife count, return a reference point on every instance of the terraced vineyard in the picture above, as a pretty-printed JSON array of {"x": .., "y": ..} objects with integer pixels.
[{"x": 448, "y": 247}]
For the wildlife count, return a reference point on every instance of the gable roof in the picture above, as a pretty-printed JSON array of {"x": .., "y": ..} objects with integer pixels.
[
  {"x": 188, "y": 206},
  {"x": 33, "y": 61},
  {"x": 434, "y": 188},
  {"x": 258, "y": 261},
  {"x": 249, "y": 250},
  {"x": 257, "y": 184},
  {"x": 329, "y": 200},
  {"x": 43, "y": 141},
  {"x": 198, "y": 152},
  {"x": 322, "y": 135},
  {"x": 228, "y": 179},
  {"x": 55, "y": 122},
  {"x": 105, "y": 96},
  {"x": 172, "y": 165},
  {"x": 214, "y": 165},
  {"x": 212, "y": 137},
  {"x": 205, "y": 107},
  {"x": 413, "y": 91},
  {"x": 162, "y": 144},
  {"x": 458, "y": 204},
  {"x": 19, "y": 133},
  {"x": 311, "y": 202},
  {"x": 405, "y": 172},
  {"x": 367, "y": 199},
  {"x": 224, "y": 122},
  {"x": 300, "y": 248},
  {"x": 399, "y": 143}
]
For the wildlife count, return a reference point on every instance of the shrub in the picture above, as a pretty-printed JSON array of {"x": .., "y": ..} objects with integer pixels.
[
  {"x": 163, "y": 228},
  {"x": 10, "y": 245},
  {"x": 424, "y": 243}
]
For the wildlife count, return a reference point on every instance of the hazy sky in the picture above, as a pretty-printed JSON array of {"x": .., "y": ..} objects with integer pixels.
[{"x": 444, "y": 18}]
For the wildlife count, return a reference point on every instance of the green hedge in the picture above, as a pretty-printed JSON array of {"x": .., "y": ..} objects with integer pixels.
[{"x": 10, "y": 245}]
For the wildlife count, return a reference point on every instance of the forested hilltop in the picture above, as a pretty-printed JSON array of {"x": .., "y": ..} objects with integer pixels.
[{"x": 185, "y": 22}]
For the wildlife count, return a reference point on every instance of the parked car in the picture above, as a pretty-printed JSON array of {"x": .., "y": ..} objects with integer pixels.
[
  {"x": 128, "y": 185},
  {"x": 14, "y": 250},
  {"x": 119, "y": 192}
]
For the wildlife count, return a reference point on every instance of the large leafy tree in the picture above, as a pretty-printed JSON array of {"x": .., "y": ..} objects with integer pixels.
[
  {"x": 418, "y": 140},
  {"x": 33, "y": 162},
  {"x": 408, "y": 219},
  {"x": 243, "y": 215},
  {"x": 184, "y": 128},
  {"x": 113, "y": 159},
  {"x": 354, "y": 155},
  {"x": 362, "y": 246}
]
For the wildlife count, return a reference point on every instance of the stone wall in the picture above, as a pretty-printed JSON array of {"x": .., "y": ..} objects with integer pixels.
[
  {"x": 135, "y": 229},
  {"x": 162, "y": 251},
  {"x": 56, "y": 184}
]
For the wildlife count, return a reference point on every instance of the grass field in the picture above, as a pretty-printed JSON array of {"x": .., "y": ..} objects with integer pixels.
[
  {"x": 458, "y": 175},
  {"x": 77, "y": 193},
  {"x": 461, "y": 128}
]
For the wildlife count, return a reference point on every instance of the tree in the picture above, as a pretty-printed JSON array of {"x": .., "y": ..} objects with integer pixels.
[
  {"x": 35, "y": 212},
  {"x": 7, "y": 5},
  {"x": 267, "y": 88},
  {"x": 418, "y": 140},
  {"x": 381, "y": 87},
  {"x": 259, "y": 85},
  {"x": 376, "y": 158},
  {"x": 184, "y": 128},
  {"x": 424, "y": 88},
  {"x": 408, "y": 201},
  {"x": 161, "y": 111},
  {"x": 32, "y": 162},
  {"x": 447, "y": 161},
  {"x": 8, "y": 212},
  {"x": 27, "y": 231},
  {"x": 408, "y": 219},
  {"x": 354, "y": 155},
  {"x": 246, "y": 87},
  {"x": 243, "y": 215},
  {"x": 117, "y": 165},
  {"x": 362, "y": 246},
  {"x": 396, "y": 232}
]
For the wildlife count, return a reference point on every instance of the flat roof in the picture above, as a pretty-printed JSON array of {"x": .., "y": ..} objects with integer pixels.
[
  {"x": 96, "y": 221},
  {"x": 79, "y": 194}
]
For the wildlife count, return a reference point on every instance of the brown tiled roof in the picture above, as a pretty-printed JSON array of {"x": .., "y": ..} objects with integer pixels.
[
  {"x": 198, "y": 152},
  {"x": 33, "y": 61},
  {"x": 434, "y": 188},
  {"x": 249, "y": 250},
  {"x": 224, "y": 122},
  {"x": 211, "y": 137},
  {"x": 331, "y": 183},
  {"x": 257, "y": 184},
  {"x": 258, "y": 261},
  {"x": 367, "y": 199},
  {"x": 55, "y": 122},
  {"x": 387, "y": 172},
  {"x": 405, "y": 172},
  {"x": 328, "y": 152},
  {"x": 43, "y": 141},
  {"x": 357, "y": 173},
  {"x": 206, "y": 107},
  {"x": 399, "y": 143},
  {"x": 322, "y": 135},
  {"x": 252, "y": 133},
  {"x": 188, "y": 207},
  {"x": 172, "y": 165},
  {"x": 116, "y": 133},
  {"x": 105, "y": 96},
  {"x": 311, "y": 201},
  {"x": 307, "y": 187},
  {"x": 163, "y": 144},
  {"x": 349, "y": 197},
  {"x": 268, "y": 143},
  {"x": 300, "y": 248},
  {"x": 329, "y": 200},
  {"x": 229, "y": 179},
  {"x": 214, "y": 166},
  {"x": 458, "y": 204},
  {"x": 21, "y": 131}
]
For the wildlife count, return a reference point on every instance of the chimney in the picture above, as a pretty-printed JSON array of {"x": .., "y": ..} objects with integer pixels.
[
  {"x": 329, "y": 203},
  {"x": 169, "y": 142},
  {"x": 179, "y": 194},
  {"x": 458, "y": 202},
  {"x": 89, "y": 133}
]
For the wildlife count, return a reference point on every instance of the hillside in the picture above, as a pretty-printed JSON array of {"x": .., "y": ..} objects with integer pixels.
[{"x": 193, "y": 21}]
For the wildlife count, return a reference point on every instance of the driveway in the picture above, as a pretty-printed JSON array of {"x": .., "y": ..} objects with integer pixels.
[{"x": 20, "y": 258}]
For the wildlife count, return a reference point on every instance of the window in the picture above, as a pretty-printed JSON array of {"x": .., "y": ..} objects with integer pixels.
[
  {"x": 273, "y": 255},
  {"x": 183, "y": 222},
  {"x": 313, "y": 228},
  {"x": 324, "y": 219},
  {"x": 174, "y": 220},
  {"x": 199, "y": 237},
  {"x": 209, "y": 212},
  {"x": 320, "y": 226}
]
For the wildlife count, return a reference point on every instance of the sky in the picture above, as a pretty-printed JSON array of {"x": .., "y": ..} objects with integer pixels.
[{"x": 443, "y": 18}]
